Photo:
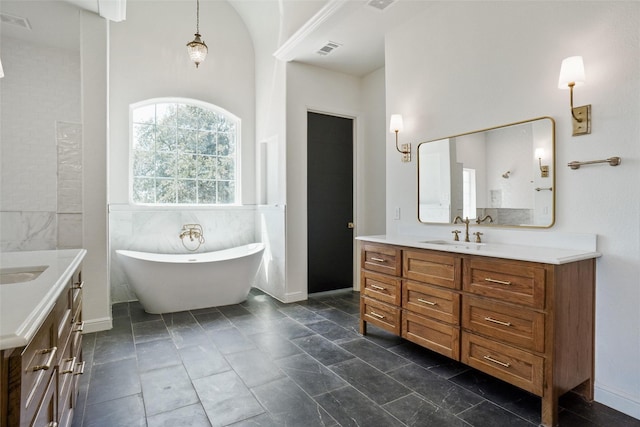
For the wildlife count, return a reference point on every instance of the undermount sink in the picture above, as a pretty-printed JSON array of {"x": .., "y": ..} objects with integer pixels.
[
  {"x": 440, "y": 242},
  {"x": 20, "y": 274},
  {"x": 467, "y": 245}
]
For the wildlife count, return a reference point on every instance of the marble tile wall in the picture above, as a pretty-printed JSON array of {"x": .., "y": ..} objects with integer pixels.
[
  {"x": 270, "y": 225},
  {"x": 158, "y": 230},
  {"x": 38, "y": 102},
  {"x": 508, "y": 216},
  {"x": 69, "y": 144}
]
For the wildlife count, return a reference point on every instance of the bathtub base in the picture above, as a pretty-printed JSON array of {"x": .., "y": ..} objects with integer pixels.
[{"x": 171, "y": 283}]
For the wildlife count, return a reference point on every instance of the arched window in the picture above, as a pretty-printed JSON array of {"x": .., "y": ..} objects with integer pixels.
[{"x": 183, "y": 152}]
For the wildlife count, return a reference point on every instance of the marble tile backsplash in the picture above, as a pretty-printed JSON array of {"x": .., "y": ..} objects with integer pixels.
[
  {"x": 157, "y": 231},
  {"x": 27, "y": 231}
]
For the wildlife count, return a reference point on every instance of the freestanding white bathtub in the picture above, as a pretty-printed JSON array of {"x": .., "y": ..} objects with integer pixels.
[{"x": 166, "y": 283}]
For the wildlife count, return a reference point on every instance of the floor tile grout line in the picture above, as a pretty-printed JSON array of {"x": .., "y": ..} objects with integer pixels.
[
  {"x": 317, "y": 361},
  {"x": 245, "y": 332}
]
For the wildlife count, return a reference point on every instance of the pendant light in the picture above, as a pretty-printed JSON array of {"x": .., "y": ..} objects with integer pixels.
[{"x": 197, "y": 48}]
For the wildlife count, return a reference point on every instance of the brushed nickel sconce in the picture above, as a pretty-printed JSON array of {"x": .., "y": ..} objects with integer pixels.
[
  {"x": 544, "y": 169},
  {"x": 571, "y": 75},
  {"x": 396, "y": 126}
]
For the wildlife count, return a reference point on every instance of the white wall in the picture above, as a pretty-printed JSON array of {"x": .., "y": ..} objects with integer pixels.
[
  {"x": 157, "y": 65},
  {"x": 472, "y": 65},
  {"x": 319, "y": 90},
  {"x": 370, "y": 167},
  {"x": 148, "y": 59},
  {"x": 40, "y": 131},
  {"x": 96, "y": 304}
]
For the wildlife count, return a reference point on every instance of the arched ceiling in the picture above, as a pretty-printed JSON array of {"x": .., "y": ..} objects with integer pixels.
[{"x": 292, "y": 30}]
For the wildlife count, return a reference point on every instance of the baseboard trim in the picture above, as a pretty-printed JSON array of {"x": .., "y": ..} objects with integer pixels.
[
  {"x": 618, "y": 400},
  {"x": 97, "y": 325},
  {"x": 295, "y": 297}
]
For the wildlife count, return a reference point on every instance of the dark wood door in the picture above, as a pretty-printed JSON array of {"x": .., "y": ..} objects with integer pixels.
[{"x": 329, "y": 202}]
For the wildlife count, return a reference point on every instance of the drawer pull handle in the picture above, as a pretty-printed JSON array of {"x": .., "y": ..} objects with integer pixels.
[
  {"x": 379, "y": 288},
  {"x": 78, "y": 285},
  {"x": 499, "y": 322},
  {"x": 379, "y": 316},
  {"x": 79, "y": 327},
  {"x": 499, "y": 282},
  {"x": 81, "y": 370},
  {"x": 52, "y": 353},
  {"x": 424, "y": 301},
  {"x": 72, "y": 364},
  {"x": 491, "y": 359},
  {"x": 378, "y": 259}
]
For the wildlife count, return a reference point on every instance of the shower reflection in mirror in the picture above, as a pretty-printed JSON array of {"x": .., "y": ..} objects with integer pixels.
[{"x": 490, "y": 172}]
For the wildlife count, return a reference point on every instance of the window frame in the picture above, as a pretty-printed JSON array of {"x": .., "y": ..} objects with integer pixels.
[{"x": 196, "y": 103}]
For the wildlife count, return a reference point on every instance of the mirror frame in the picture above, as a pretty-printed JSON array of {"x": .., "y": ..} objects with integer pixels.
[{"x": 552, "y": 166}]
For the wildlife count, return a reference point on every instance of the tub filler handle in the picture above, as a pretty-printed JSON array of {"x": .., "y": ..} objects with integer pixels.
[{"x": 194, "y": 233}]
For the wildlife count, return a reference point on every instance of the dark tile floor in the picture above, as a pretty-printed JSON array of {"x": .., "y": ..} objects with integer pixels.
[{"x": 265, "y": 363}]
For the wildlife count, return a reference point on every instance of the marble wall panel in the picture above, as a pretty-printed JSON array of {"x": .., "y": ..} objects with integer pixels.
[{"x": 27, "y": 231}]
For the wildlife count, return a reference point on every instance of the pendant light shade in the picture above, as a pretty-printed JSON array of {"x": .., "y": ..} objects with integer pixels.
[{"x": 197, "y": 48}]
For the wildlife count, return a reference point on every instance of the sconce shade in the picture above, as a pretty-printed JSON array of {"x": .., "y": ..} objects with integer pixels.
[
  {"x": 571, "y": 70},
  {"x": 539, "y": 153},
  {"x": 395, "y": 124}
]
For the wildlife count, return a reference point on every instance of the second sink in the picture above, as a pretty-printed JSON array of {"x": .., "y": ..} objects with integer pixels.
[{"x": 20, "y": 274}]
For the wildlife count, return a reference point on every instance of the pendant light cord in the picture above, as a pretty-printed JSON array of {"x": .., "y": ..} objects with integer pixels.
[{"x": 198, "y": 16}]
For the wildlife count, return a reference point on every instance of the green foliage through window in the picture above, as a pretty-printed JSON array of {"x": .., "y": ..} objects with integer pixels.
[{"x": 183, "y": 154}]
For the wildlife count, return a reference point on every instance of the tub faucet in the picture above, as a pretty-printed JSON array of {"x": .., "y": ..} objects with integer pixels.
[
  {"x": 457, "y": 220},
  {"x": 194, "y": 232}
]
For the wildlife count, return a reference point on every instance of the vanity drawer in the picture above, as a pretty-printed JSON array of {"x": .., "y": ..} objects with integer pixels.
[
  {"x": 381, "y": 287},
  {"x": 439, "y": 337},
  {"x": 437, "y": 303},
  {"x": 33, "y": 370},
  {"x": 63, "y": 321},
  {"x": 513, "y": 325},
  {"x": 380, "y": 314},
  {"x": 432, "y": 268},
  {"x": 383, "y": 259},
  {"x": 76, "y": 294},
  {"x": 518, "y": 367},
  {"x": 515, "y": 282},
  {"x": 66, "y": 390},
  {"x": 46, "y": 412}
]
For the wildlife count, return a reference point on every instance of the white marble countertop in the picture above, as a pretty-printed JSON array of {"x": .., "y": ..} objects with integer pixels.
[
  {"x": 497, "y": 250},
  {"x": 24, "y": 306}
]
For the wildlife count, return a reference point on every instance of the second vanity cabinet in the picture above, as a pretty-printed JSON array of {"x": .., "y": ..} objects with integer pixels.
[
  {"x": 528, "y": 323},
  {"x": 40, "y": 380}
]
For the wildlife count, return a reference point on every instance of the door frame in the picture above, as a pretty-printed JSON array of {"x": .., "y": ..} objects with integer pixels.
[{"x": 354, "y": 142}]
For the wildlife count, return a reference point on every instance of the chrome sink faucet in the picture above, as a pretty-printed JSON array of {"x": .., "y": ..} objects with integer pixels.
[{"x": 458, "y": 220}]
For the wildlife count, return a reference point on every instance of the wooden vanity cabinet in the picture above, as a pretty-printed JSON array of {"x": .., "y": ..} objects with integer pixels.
[
  {"x": 39, "y": 382},
  {"x": 530, "y": 324},
  {"x": 380, "y": 287},
  {"x": 431, "y": 300}
]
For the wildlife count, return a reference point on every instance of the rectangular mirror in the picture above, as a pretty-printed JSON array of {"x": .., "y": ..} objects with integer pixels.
[{"x": 506, "y": 172}]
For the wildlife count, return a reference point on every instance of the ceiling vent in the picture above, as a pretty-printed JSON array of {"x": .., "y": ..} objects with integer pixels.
[
  {"x": 381, "y": 4},
  {"x": 328, "y": 48},
  {"x": 18, "y": 21}
]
